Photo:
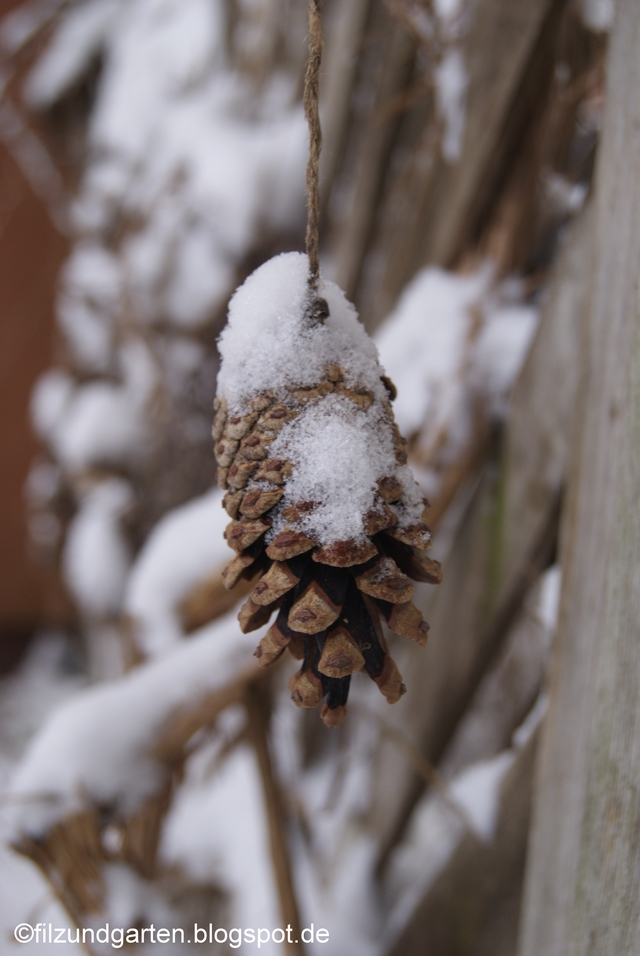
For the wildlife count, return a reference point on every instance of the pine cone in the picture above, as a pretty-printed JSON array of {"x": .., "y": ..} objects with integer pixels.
[{"x": 297, "y": 479}]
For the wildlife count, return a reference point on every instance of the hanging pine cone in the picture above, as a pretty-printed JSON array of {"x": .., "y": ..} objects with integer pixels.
[{"x": 325, "y": 511}]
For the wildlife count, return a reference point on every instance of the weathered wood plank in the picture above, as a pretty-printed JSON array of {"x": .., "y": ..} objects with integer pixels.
[
  {"x": 542, "y": 413},
  {"x": 584, "y": 868}
]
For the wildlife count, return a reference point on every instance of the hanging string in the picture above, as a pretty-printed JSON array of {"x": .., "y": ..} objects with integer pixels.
[{"x": 311, "y": 111}]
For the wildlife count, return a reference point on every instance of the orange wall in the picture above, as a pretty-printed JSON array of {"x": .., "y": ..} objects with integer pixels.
[{"x": 31, "y": 252}]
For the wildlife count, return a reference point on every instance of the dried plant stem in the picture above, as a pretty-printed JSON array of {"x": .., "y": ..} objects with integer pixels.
[
  {"x": 71, "y": 857},
  {"x": 257, "y": 707},
  {"x": 311, "y": 111},
  {"x": 142, "y": 830},
  {"x": 422, "y": 766},
  {"x": 171, "y": 745}
]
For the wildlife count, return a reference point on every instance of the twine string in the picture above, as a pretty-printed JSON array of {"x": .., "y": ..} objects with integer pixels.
[{"x": 311, "y": 112}]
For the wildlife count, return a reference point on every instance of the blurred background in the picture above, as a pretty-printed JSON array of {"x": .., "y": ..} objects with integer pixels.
[{"x": 152, "y": 155}]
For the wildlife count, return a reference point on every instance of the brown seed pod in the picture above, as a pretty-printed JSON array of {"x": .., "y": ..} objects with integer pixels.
[{"x": 332, "y": 546}]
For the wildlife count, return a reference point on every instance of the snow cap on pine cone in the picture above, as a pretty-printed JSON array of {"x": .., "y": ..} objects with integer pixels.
[{"x": 326, "y": 514}]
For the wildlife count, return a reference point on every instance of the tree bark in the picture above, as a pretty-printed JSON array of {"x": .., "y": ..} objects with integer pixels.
[{"x": 583, "y": 874}]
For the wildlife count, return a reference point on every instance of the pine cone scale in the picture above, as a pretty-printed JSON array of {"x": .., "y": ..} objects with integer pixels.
[{"x": 289, "y": 544}]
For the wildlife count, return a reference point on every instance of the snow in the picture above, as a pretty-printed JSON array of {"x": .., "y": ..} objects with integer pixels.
[
  {"x": 42, "y": 681},
  {"x": 476, "y": 790},
  {"x": 49, "y": 401},
  {"x": 433, "y": 835},
  {"x": 548, "y": 608},
  {"x": 500, "y": 350},
  {"x": 158, "y": 49},
  {"x": 101, "y": 428},
  {"x": 198, "y": 165},
  {"x": 217, "y": 832},
  {"x": 334, "y": 791},
  {"x": 338, "y": 454},
  {"x": 203, "y": 275},
  {"x": 25, "y": 892},
  {"x": 99, "y": 423},
  {"x": 216, "y": 829},
  {"x": 343, "y": 900},
  {"x": 447, "y": 9},
  {"x": 131, "y": 902},
  {"x": 530, "y": 724},
  {"x": 75, "y": 43},
  {"x": 96, "y": 556},
  {"x": 339, "y": 451},
  {"x": 598, "y": 14},
  {"x": 422, "y": 346},
  {"x": 453, "y": 344},
  {"x": 269, "y": 345},
  {"x": 89, "y": 300},
  {"x": 183, "y": 548},
  {"x": 180, "y": 140},
  {"x": 451, "y": 82},
  {"x": 98, "y": 746},
  {"x": 566, "y": 196},
  {"x": 87, "y": 333}
]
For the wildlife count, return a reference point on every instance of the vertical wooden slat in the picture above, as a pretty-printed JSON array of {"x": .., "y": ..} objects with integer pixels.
[
  {"x": 374, "y": 151},
  {"x": 344, "y": 36},
  {"x": 584, "y": 860},
  {"x": 542, "y": 414}
]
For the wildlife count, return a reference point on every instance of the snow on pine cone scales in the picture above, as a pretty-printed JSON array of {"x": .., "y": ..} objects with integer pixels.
[{"x": 325, "y": 511}]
